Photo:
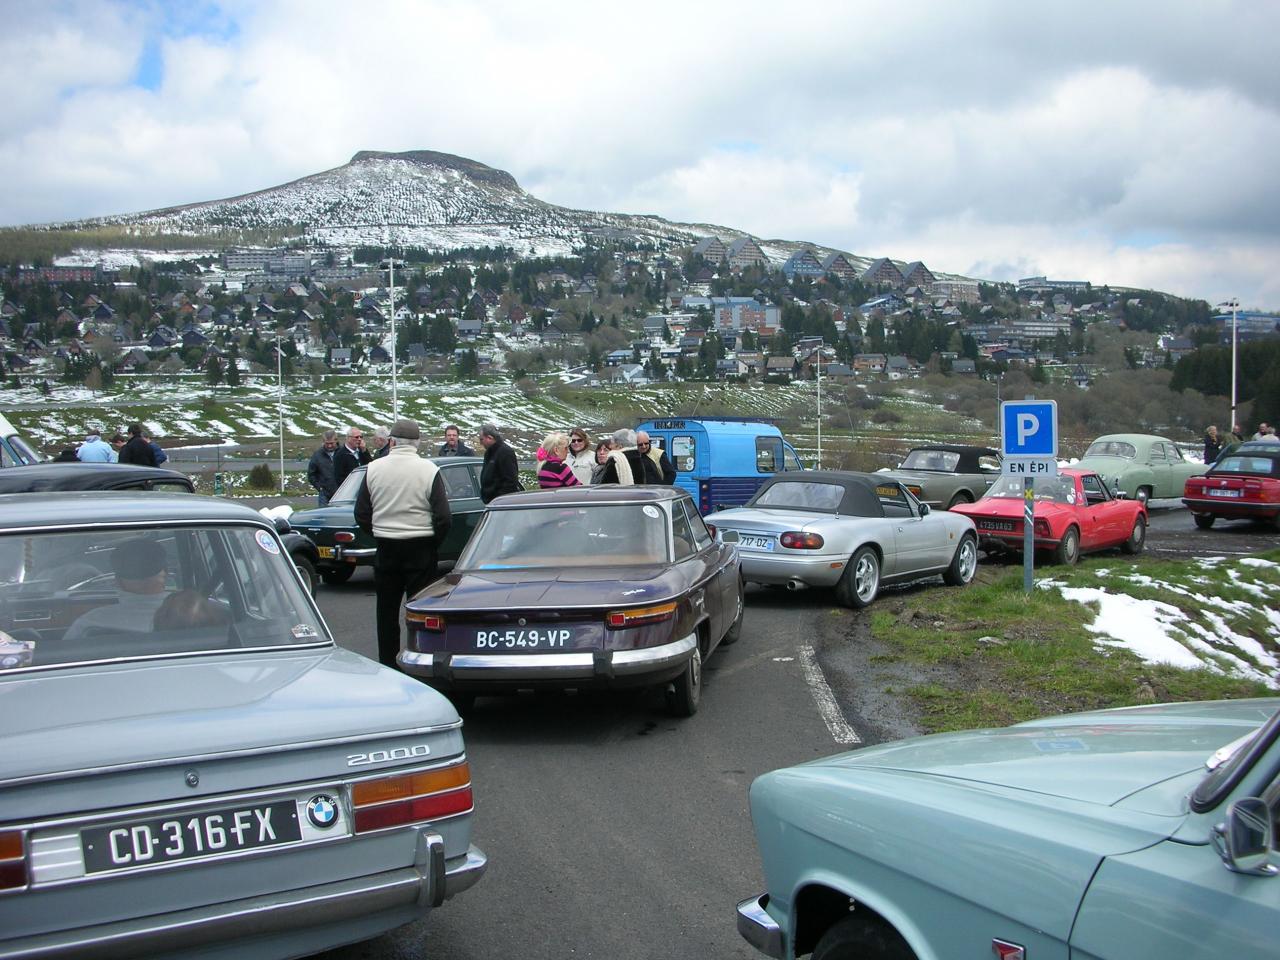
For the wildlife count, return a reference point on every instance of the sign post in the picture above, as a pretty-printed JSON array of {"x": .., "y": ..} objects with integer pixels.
[{"x": 1029, "y": 445}]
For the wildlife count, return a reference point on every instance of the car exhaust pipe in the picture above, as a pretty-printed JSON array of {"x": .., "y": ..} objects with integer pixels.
[{"x": 796, "y": 585}]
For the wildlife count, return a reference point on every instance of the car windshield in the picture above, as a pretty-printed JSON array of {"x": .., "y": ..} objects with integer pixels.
[
  {"x": 1111, "y": 448},
  {"x": 1240, "y": 463},
  {"x": 346, "y": 493},
  {"x": 1060, "y": 489},
  {"x": 569, "y": 536},
  {"x": 944, "y": 460},
  {"x": 85, "y": 596},
  {"x": 802, "y": 495}
]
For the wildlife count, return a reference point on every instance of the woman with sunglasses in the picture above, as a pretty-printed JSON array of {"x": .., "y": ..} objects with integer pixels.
[{"x": 580, "y": 459}]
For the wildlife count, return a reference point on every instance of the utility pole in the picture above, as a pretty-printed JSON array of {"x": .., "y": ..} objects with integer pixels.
[
  {"x": 395, "y": 363},
  {"x": 280, "y": 405}
]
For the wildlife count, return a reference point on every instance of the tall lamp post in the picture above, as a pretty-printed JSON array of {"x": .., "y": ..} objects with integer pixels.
[
  {"x": 395, "y": 362},
  {"x": 820, "y": 406},
  {"x": 1234, "y": 304},
  {"x": 280, "y": 405}
]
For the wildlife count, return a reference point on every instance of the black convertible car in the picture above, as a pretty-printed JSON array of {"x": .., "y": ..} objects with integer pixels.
[
  {"x": 581, "y": 587},
  {"x": 66, "y": 477}
]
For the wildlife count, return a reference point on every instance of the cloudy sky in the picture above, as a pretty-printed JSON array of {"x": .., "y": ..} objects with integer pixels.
[{"x": 1129, "y": 143}]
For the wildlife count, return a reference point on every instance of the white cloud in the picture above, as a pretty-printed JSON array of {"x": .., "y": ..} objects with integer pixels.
[{"x": 977, "y": 137}]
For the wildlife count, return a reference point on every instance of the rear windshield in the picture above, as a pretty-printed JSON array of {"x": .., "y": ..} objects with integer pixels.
[
  {"x": 78, "y": 597},
  {"x": 1258, "y": 466},
  {"x": 1055, "y": 489},
  {"x": 802, "y": 495},
  {"x": 945, "y": 460},
  {"x": 1111, "y": 448},
  {"x": 569, "y": 536}
]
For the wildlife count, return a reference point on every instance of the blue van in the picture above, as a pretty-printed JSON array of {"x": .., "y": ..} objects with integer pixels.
[{"x": 723, "y": 461}]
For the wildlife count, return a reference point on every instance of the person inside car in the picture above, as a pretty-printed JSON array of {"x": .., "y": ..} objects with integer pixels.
[{"x": 139, "y": 568}]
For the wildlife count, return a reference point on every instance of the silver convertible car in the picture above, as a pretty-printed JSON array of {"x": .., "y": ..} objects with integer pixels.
[
  {"x": 189, "y": 763},
  {"x": 850, "y": 531},
  {"x": 1114, "y": 835}
]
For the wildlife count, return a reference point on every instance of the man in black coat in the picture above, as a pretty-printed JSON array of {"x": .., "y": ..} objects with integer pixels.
[
  {"x": 659, "y": 457},
  {"x": 350, "y": 456},
  {"x": 452, "y": 446},
  {"x": 138, "y": 450},
  {"x": 500, "y": 473}
]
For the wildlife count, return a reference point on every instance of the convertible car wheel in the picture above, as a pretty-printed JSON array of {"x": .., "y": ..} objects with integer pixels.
[
  {"x": 861, "y": 580},
  {"x": 308, "y": 571},
  {"x": 683, "y": 698},
  {"x": 1204, "y": 520},
  {"x": 963, "y": 565},
  {"x": 1137, "y": 539},
  {"x": 1068, "y": 551},
  {"x": 856, "y": 938},
  {"x": 336, "y": 575},
  {"x": 1144, "y": 494},
  {"x": 958, "y": 499}
]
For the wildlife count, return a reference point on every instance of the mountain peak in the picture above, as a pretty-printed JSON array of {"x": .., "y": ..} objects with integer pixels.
[{"x": 472, "y": 169}]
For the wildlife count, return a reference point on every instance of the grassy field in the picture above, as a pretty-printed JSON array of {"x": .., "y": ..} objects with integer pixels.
[{"x": 998, "y": 656}]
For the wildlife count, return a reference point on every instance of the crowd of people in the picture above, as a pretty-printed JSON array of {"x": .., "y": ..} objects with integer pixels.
[
  {"x": 1215, "y": 444},
  {"x": 135, "y": 446},
  {"x": 624, "y": 457}
]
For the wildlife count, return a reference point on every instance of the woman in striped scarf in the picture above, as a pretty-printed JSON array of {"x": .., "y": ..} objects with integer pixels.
[{"x": 553, "y": 472}]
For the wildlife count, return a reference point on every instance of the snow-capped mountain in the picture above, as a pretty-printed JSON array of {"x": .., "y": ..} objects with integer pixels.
[{"x": 418, "y": 198}]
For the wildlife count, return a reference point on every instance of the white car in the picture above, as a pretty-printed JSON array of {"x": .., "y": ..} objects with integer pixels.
[{"x": 850, "y": 531}]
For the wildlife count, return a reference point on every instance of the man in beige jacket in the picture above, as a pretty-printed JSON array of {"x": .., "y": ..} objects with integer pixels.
[{"x": 403, "y": 503}]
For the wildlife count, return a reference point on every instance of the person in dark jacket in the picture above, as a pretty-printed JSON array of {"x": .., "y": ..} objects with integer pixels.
[
  {"x": 1212, "y": 445},
  {"x": 500, "y": 473},
  {"x": 320, "y": 469},
  {"x": 452, "y": 446},
  {"x": 351, "y": 455},
  {"x": 381, "y": 443},
  {"x": 658, "y": 456},
  {"x": 138, "y": 449}
]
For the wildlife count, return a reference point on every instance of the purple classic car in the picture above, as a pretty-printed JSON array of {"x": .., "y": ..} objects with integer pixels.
[{"x": 584, "y": 587}]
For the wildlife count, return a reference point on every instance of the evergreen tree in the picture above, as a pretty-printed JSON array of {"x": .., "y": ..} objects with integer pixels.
[
  {"x": 213, "y": 372},
  {"x": 233, "y": 370}
]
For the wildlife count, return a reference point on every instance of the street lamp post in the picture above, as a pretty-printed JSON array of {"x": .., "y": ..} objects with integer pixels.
[
  {"x": 1234, "y": 304},
  {"x": 395, "y": 363},
  {"x": 819, "y": 406},
  {"x": 280, "y": 405}
]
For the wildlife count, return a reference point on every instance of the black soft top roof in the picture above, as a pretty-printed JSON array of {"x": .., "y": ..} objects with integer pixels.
[
  {"x": 859, "y": 500},
  {"x": 39, "y": 477},
  {"x": 968, "y": 454}
]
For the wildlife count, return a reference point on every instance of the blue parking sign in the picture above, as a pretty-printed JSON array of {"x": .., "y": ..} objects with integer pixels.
[{"x": 1029, "y": 428}]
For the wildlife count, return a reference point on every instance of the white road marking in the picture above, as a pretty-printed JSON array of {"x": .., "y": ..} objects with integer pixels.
[{"x": 825, "y": 699}]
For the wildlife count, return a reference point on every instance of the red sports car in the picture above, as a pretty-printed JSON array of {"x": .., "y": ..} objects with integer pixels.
[
  {"x": 1243, "y": 485},
  {"x": 1075, "y": 513}
]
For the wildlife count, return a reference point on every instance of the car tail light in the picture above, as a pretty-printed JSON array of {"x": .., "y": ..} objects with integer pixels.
[
  {"x": 640, "y": 615},
  {"x": 915, "y": 490},
  {"x": 13, "y": 860},
  {"x": 424, "y": 621},
  {"x": 1042, "y": 528},
  {"x": 801, "y": 541},
  {"x": 1254, "y": 485},
  {"x": 344, "y": 536},
  {"x": 711, "y": 528},
  {"x": 411, "y": 797}
]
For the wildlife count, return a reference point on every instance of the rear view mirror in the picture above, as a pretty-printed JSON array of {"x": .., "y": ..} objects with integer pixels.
[
  {"x": 281, "y": 525},
  {"x": 1243, "y": 840},
  {"x": 924, "y": 509}
]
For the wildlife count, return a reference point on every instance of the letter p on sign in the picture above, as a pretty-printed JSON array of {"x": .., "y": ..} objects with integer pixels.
[{"x": 1029, "y": 428}]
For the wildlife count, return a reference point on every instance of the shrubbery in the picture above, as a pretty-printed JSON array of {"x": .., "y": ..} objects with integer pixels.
[{"x": 261, "y": 477}]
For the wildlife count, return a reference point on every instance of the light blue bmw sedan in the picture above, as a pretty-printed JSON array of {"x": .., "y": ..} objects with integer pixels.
[
  {"x": 1113, "y": 835},
  {"x": 188, "y": 763}
]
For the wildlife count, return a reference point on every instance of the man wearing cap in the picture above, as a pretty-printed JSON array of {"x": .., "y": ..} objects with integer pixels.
[
  {"x": 403, "y": 503},
  {"x": 500, "y": 473},
  {"x": 139, "y": 568}
]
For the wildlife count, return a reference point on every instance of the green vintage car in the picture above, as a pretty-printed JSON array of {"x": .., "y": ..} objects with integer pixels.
[
  {"x": 1142, "y": 466},
  {"x": 343, "y": 546},
  {"x": 1139, "y": 832}
]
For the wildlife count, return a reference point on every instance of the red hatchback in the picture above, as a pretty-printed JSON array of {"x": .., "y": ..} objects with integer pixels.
[
  {"x": 1243, "y": 485},
  {"x": 1075, "y": 513}
]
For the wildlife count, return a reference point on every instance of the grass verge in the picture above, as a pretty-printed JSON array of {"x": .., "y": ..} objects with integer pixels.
[{"x": 997, "y": 656}]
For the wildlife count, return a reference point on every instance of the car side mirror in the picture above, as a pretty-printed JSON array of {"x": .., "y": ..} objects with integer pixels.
[
  {"x": 924, "y": 510},
  {"x": 1121, "y": 495},
  {"x": 1243, "y": 840},
  {"x": 282, "y": 525}
]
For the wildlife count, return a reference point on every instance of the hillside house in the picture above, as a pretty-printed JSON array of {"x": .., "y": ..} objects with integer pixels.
[
  {"x": 802, "y": 263},
  {"x": 916, "y": 274},
  {"x": 711, "y": 249},
  {"x": 869, "y": 362},
  {"x": 882, "y": 272},
  {"x": 965, "y": 367},
  {"x": 781, "y": 366},
  {"x": 840, "y": 265},
  {"x": 340, "y": 360},
  {"x": 899, "y": 367},
  {"x": 745, "y": 252}
]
